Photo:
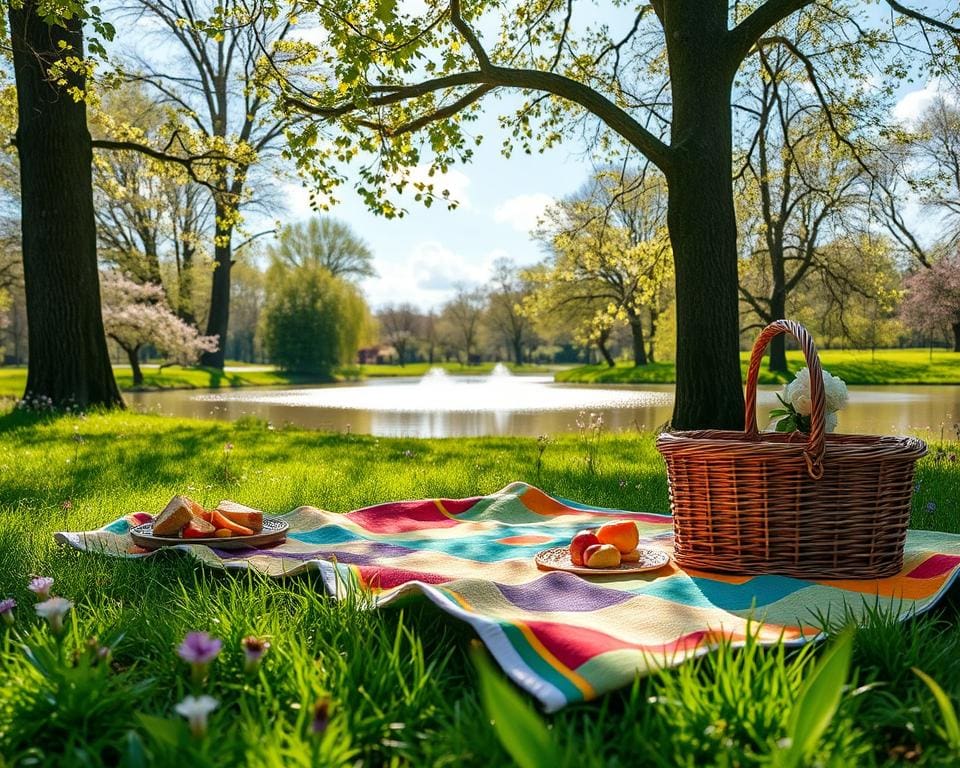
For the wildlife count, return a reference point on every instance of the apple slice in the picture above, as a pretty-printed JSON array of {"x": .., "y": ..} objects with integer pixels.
[{"x": 223, "y": 533}]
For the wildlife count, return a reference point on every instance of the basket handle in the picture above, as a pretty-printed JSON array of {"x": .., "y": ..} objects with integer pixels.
[{"x": 815, "y": 443}]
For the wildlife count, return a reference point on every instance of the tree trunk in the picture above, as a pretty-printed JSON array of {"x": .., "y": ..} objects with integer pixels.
[
  {"x": 639, "y": 351},
  {"x": 651, "y": 342},
  {"x": 133, "y": 355},
  {"x": 218, "y": 320},
  {"x": 701, "y": 218},
  {"x": 518, "y": 352},
  {"x": 602, "y": 346},
  {"x": 69, "y": 361},
  {"x": 956, "y": 337},
  {"x": 778, "y": 345}
]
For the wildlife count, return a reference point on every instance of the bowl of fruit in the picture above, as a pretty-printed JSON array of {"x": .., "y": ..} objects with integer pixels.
[
  {"x": 227, "y": 526},
  {"x": 613, "y": 548}
]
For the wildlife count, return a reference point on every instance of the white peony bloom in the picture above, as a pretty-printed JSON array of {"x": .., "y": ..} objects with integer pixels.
[{"x": 797, "y": 393}]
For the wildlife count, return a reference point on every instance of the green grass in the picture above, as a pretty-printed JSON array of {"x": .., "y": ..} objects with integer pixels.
[
  {"x": 887, "y": 366},
  {"x": 400, "y": 686},
  {"x": 14, "y": 379}
]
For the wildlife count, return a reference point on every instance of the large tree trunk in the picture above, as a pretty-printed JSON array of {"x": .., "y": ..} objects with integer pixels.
[
  {"x": 218, "y": 320},
  {"x": 956, "y": 337},
  {"x": 701, "y": 218},
  {"x": 133, "y": 355},
  {"x": 778, "y": 345},
  {"x": 636, "y": 331},
  {"x": 69, "y": 361}
]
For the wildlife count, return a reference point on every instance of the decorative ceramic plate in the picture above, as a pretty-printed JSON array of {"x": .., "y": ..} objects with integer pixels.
[
  {"x": 274, "y": 530},
  {"x": 558, "y": 559}
]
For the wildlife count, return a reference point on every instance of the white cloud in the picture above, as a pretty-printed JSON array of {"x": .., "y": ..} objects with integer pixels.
[
  {"x": 523, "y": 211},
  {"x": 427, "y": 276},
  {"x": 911, "y": 105},
  {"x": 452, "y": 181}
]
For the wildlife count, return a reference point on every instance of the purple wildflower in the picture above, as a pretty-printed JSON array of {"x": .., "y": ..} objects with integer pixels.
[
  {"x": 198, "y": 649},
  {"x": 40, "y": 586},
  {"x": 6, "y": 609},
  {"x": 321, "y": 717},
  {"x": 253, "y": 650}
]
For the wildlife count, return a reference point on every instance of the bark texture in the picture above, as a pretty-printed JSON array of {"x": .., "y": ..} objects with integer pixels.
[
  {"x": 701, "y": 218},
  {"x": 68, "y": 360}
]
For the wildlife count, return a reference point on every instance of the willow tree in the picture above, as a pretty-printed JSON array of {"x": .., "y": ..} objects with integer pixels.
[{"x": 661, "y": 86}]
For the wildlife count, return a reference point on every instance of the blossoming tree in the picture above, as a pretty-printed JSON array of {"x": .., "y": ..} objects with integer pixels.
[
  {"x": 136, "y": 315},
  {"x": 932, "y": 301}
]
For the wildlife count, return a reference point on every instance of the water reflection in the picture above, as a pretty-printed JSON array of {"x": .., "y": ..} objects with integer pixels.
[{"x": 439, "y": 405}]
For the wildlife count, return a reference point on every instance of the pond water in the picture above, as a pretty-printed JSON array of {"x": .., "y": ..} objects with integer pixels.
[{"x": 439, "y": 405}]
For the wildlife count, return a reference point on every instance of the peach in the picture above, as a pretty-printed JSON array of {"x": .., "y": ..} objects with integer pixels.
[
  {"x": 601, "y": 556},
  {"x": 633, "y": 556},
  {"x": 623, "y": 534},
  {"x": 223, "y": 533},
  {"x": 579, "y": 543}
]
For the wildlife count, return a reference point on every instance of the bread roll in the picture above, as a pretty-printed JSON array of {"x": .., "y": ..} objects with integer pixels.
[{"x": 174, "y": 517}]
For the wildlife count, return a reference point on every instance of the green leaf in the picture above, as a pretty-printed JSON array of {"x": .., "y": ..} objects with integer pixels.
[
  {"x": 950, "y": 724},
  {"x": 521, "y": 731},
  {"x": 788, "y": 424},
  {"x": 817, "y": 701},
  {"x": 385, "y": 10},
  {"x": 164, "y": 731},
  {"x": 134, "y": 753}
]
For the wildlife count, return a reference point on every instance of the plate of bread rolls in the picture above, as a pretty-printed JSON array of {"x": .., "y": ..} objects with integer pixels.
[{"x": 229, "y": 525}]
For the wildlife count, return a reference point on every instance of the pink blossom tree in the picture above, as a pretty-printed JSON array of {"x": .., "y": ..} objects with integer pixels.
[
  {"x": 136, "y": 315},
  {"x": 932, "y": 301}
]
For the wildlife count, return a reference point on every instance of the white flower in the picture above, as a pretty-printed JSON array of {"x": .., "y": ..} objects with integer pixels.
[
  {"x": 53, "y": 610},
  {"x": 797, "y": 393},
  {"x": 196, "y": 709}
]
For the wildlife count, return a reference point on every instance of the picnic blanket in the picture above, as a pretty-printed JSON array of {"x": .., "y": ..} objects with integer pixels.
[{"x": 561, "y": 637}]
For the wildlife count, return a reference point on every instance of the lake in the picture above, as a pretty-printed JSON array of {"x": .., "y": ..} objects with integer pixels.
[{"x": 439, "y": 405}]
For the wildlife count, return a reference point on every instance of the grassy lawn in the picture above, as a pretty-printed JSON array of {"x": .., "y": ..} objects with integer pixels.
[
  {"x": 14, "y": 379},
  {"x": 887, "y": 366},
  {"x": 399, "y": 683}
]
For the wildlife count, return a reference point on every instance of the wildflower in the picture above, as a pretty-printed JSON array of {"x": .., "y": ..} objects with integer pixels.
[
  {"x": 6, "y": 609},
  {"x": 40, "y": 586},
  {"x": 228, "y": 447},
  {"x": 321, "y": 717},
  {"x": 198, "y": 649},
  {"x": 931, "y": 506},
  {"x": 196, "y": 709},
  {"x": 53, "y": 610},
  {"x": 408, "y": 454},
  {"x": 253, "y": 650},
  {"x": 66, "y": 505}
]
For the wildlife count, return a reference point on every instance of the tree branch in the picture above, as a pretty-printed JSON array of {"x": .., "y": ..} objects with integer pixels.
[
  {"x": 923, "y": 18},
  {"x": 749, "y": 31}
]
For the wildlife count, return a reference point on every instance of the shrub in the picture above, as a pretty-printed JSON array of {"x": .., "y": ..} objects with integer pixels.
[{"x": 312, "y": 321}]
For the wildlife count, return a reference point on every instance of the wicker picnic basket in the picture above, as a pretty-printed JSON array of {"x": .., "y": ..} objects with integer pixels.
[{"x": 814, "y": 506}]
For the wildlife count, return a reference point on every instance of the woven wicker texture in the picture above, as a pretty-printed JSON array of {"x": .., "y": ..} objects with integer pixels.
[{"x": 812, "y": 506}]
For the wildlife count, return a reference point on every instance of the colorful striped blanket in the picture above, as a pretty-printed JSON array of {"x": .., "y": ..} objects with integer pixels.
[{"x": 561, "y": 637}]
